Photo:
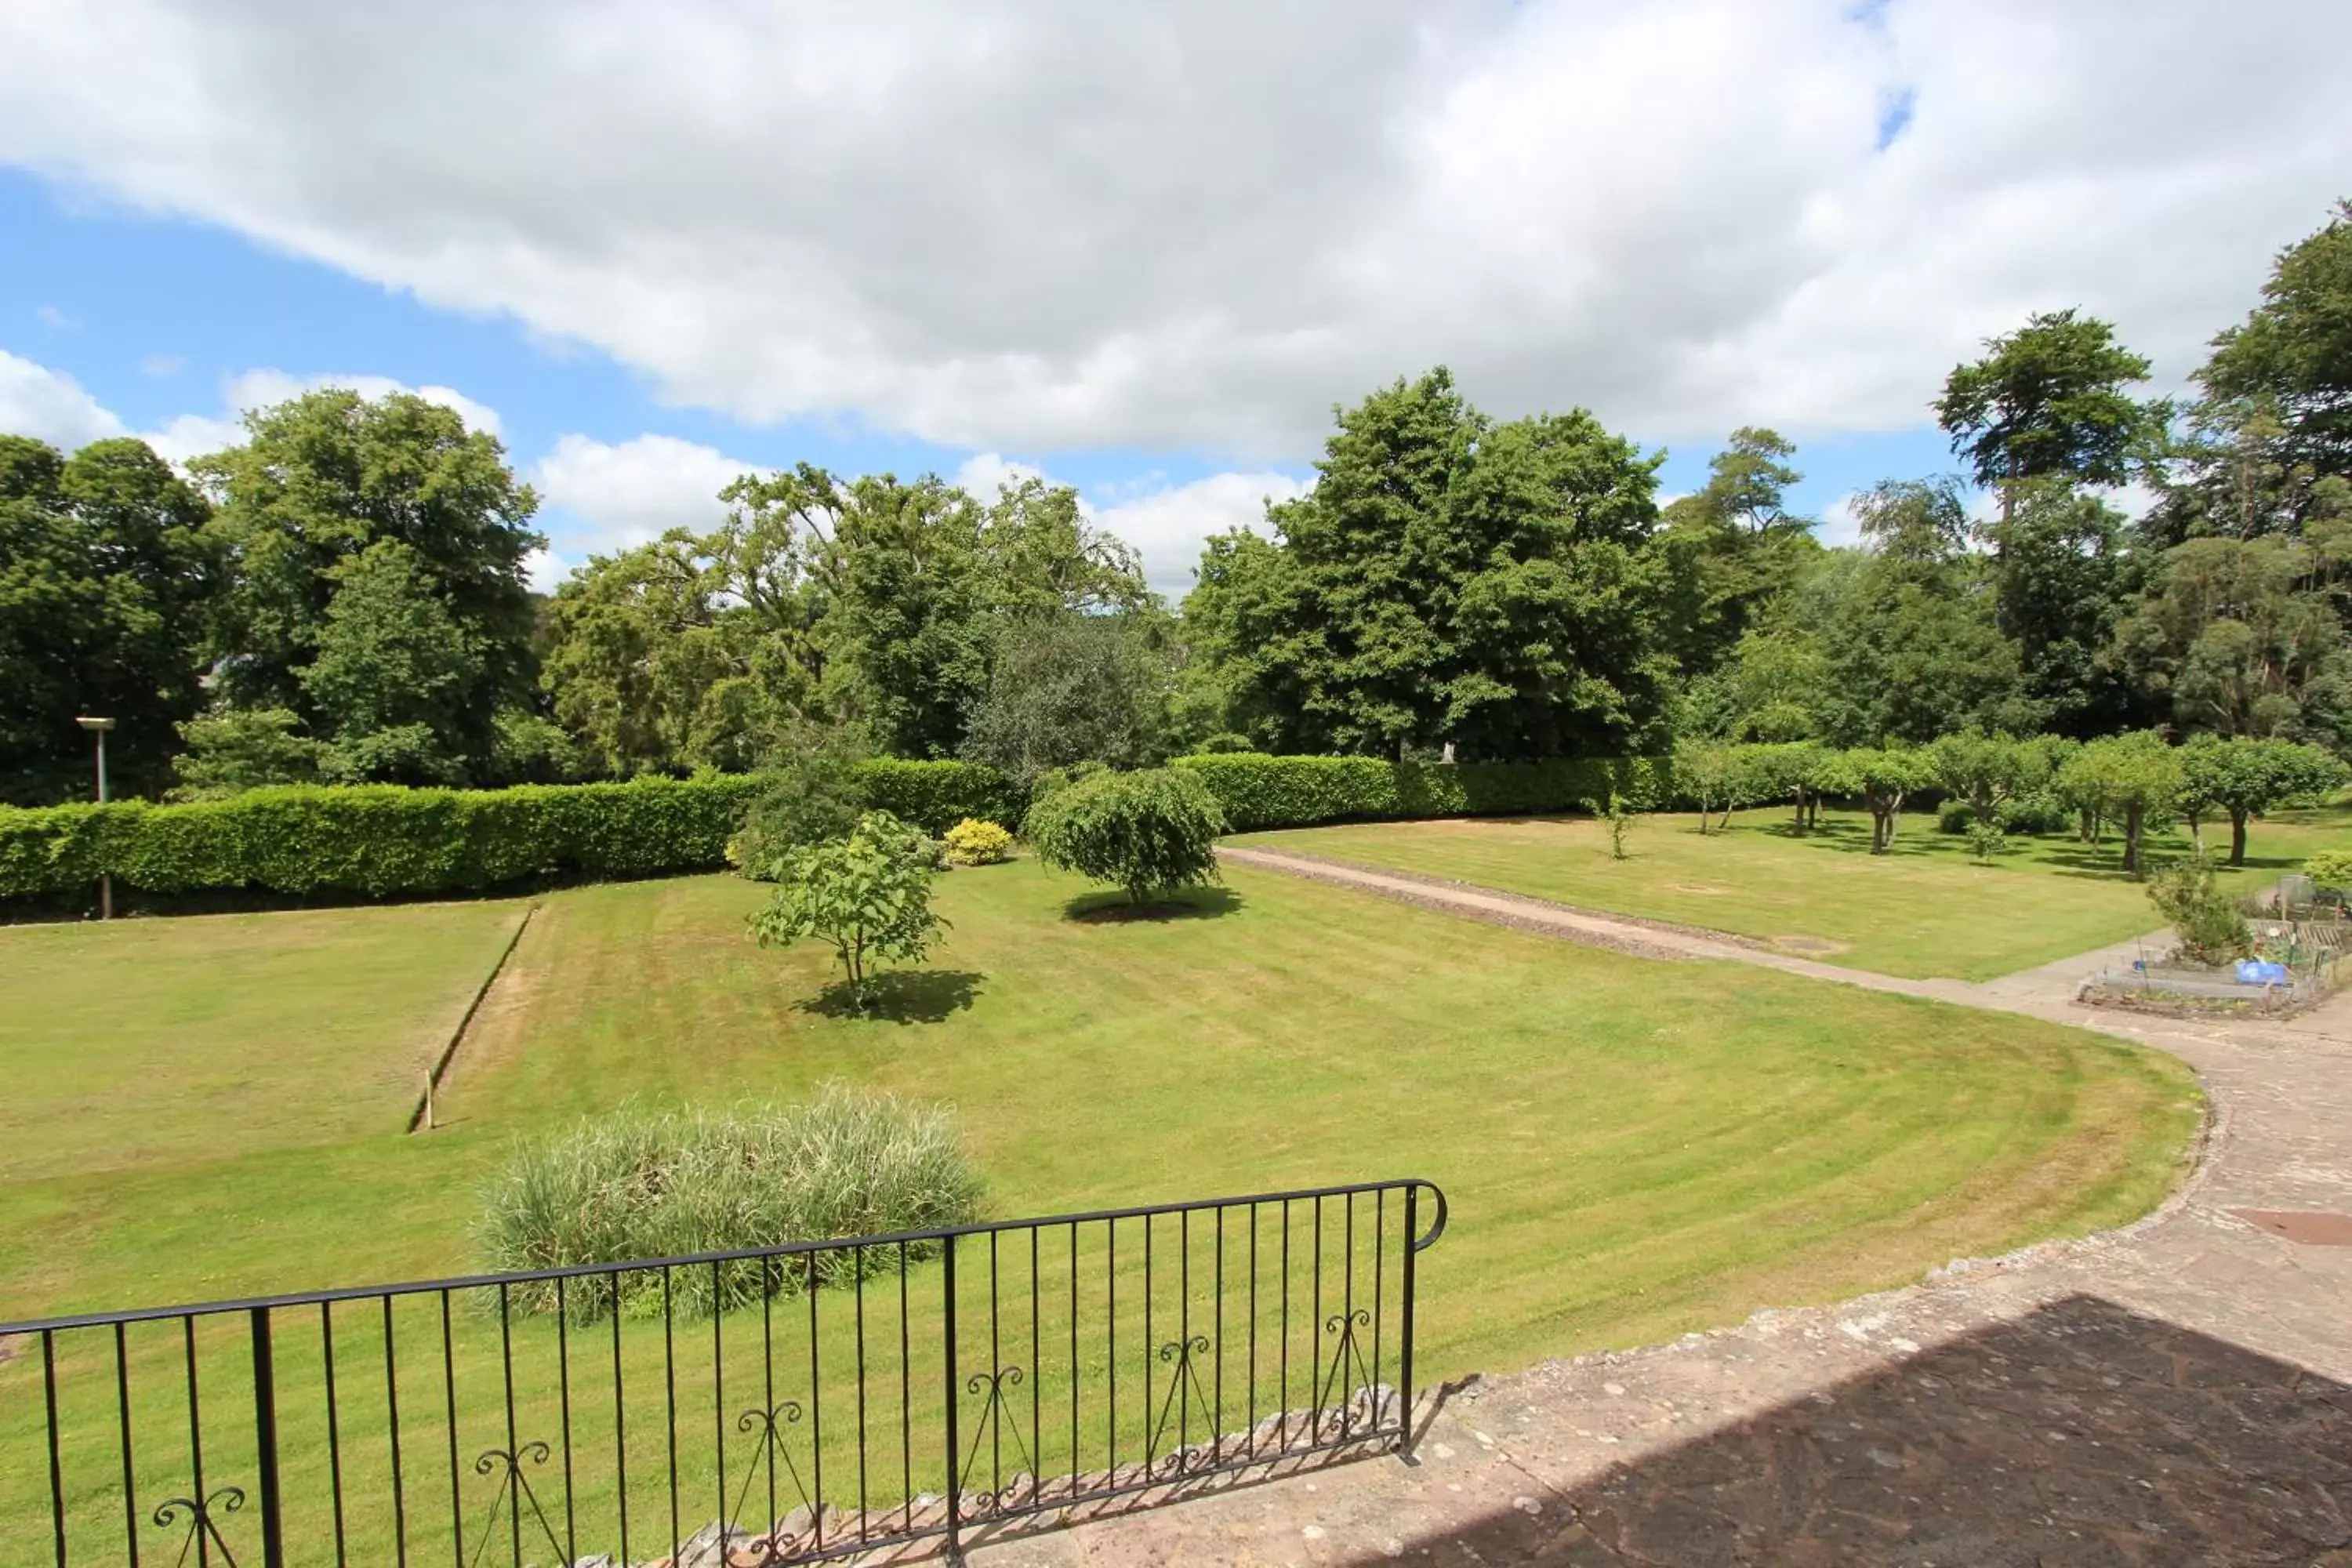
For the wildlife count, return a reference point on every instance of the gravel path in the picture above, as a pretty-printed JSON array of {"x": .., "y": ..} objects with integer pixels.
[{"x": 2176, "y": 1392}]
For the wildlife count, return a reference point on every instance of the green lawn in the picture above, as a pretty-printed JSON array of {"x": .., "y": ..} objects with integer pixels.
[
  {"x": 1926, "y": 909},
  {"x": 1631, "y": 1148}
]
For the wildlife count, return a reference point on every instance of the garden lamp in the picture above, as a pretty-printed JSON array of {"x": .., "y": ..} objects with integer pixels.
[{"x": 99, "y": 727}]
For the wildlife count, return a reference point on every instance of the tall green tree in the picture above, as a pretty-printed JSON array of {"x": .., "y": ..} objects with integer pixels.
[
  {"x": 1449, "y": 581},
  {"x": 2063, "y": 577},
  {"x": 319, "y": 481},
  {"x": 2049, "y": 398},
  {"x": 1732, "y": 547},
  {"x": 2241, "y": 637},
  {"x": 389, "y": 675},
  {"x": 1067, "y": 688},
  {"x": 2292, "y": 356},
  {"x": 105, "y": 577}
]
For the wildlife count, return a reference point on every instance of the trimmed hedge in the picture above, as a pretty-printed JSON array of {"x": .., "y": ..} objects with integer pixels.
[
  {"x": 1257, "y": 790},
  {"x": 382, "y": 840}
]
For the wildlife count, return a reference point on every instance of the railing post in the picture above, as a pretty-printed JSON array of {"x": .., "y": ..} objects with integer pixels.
[
  {"x": 265, "y": 1441},
  {"x": 954, "y": 1492},
  {"x": 1405, "y": 1357}
]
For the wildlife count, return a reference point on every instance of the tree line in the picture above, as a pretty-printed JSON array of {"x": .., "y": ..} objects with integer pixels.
[{"x": 343, "y": 597}]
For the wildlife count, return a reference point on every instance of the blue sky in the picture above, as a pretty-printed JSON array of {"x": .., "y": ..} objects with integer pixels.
[{"x": 1140, "y": 253}]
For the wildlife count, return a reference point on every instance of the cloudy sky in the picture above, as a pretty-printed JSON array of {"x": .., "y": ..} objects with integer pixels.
[{"x": 1140, "y": 249}]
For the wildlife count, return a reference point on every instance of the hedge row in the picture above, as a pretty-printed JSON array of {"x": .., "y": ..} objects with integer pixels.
[
  {"x": 379, "y": 840},
  {"x": 1258, "y": 791}
]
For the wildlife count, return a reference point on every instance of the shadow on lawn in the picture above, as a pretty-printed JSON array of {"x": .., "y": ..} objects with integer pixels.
[
  {"x": 1186, "y": 904},
  {"x": 902, "y": 996}
]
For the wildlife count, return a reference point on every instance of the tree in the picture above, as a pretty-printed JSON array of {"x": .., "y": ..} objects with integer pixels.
[
  {"x": 2062, "y": 582},
  {"x": 813, "y": 795},
  {"x": 2048, "y": 399},
  {"x": 2247, "y": 778},
  {"x": 2203, "y": 916},
  {"x": 1147, "y": 831},
  {"x": 868, "y": 896},
  {"x": 1711, "y": 773},
  {"x": 1895, "y": 642},
  {"x": 1067, "y": 688},
  {"x": 1881, "y": 777},
  {"x": 1984, "y": 769},
  {"x": 2135, "y": 778},
  {"x": 2292, "y": 356},
  {"x": 2234, "y": 635},
  {"x": 1730, "y": 548},
  {"x": 390, "y": 675},
  {"x": 105, "y": 580},
  {"x": 320, "y": 480},
  {"x": 1448, "y": 582},
  {"x": 232, "y": 750}
]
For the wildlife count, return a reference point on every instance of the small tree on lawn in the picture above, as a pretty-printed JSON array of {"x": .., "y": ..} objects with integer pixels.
[
  {"x": 1147, "y": 832},
  {"x": 2246, "y": 778},
  {"x": 869, "y": 894},
  {"x": 2201, "y": 915},
  {"x": 1983, "y": 770},
  {"x": 2135, "y": 779},
  {"x": 1708, "y": 771},
  {"x": 1613, "y": 812},
  {"x": 1881, "y": 777}
]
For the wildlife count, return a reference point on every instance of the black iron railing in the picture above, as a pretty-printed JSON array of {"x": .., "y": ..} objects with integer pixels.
[{"x": 785, "y": 1404}]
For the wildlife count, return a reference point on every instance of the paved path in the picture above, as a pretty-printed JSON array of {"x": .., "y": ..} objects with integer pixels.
[{"x": 2178, "y": 1392}]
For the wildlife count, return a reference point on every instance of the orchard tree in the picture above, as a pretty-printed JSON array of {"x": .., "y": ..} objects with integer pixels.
[
  {"x": 2049, "y": 399},
  {"x": 2135, "y": 779},
  {"x": 2248, "y": 778},
  {"x": 867, "y": 896},
  {"x": 1984, "y": 769},
  {"x": 1881, "y": 778}
]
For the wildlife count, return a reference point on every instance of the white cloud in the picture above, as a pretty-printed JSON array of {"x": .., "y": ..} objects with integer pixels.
[
  {"x": 633, "y": 492},
  {"x": 1167, "y": 527},
  {"x": 1841, "y": 523},
  {"x": 1054, "y": 223},
  {"x": 50, "y": 405},
  {"x": 984, "y": 475},
  {"x": 37, "y": 401},
  {"x": 56, "y": 320},
  {"x": 162, "y": 365}
]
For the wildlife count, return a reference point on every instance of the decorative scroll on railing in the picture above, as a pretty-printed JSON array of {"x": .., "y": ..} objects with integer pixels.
[{"x": 883, "y": 1390}]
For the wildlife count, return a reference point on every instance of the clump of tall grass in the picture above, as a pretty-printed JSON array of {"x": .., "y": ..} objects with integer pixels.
[{"x": 643, "y": 1184}]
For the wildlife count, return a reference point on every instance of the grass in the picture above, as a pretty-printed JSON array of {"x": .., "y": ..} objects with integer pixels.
[
  {"x": 1923, "y": 910},
  {"x": 1631, "y": 1151}
]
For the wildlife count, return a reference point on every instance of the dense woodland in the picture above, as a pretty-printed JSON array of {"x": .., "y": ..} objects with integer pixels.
[{"x": 342, "y": 597}]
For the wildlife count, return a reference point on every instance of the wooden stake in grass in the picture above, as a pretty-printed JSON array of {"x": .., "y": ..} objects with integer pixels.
[{"x": 428, "y": 1099}]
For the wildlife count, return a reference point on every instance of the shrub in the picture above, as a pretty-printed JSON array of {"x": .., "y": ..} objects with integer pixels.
[
  {"x": 972, "y": 842},
  {"x": 937, "y": 795},
  {"x": 1954, "y": 816},
  {"x": 1986, "y": 841},
  {"x": 814, "y": 792},
  {"x": 2040, "y": 811},
  {"x": 1145, "y": 831},
  {"x": 641, "y": 1184},
  {"x": 869, "y": 894},
  {"x": 2330, "y": 868},
  {"x": 2205, "y": 919}
]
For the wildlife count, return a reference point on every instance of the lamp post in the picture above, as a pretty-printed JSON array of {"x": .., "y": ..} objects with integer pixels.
[{"x": 99, "y": 727}]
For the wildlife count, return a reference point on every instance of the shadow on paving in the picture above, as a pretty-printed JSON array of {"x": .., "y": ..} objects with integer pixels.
[{"x": 2083, "y": 1434}]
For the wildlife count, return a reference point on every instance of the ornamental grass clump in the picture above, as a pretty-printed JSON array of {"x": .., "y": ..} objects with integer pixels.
[{"x": 643, "y": 1184}]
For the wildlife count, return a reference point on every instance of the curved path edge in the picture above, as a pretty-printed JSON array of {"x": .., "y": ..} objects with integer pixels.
[{"x": 2178, "y": 1390}]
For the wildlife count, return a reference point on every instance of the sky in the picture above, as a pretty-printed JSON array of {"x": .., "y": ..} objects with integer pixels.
[{"x": 1143, "y": 250}]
